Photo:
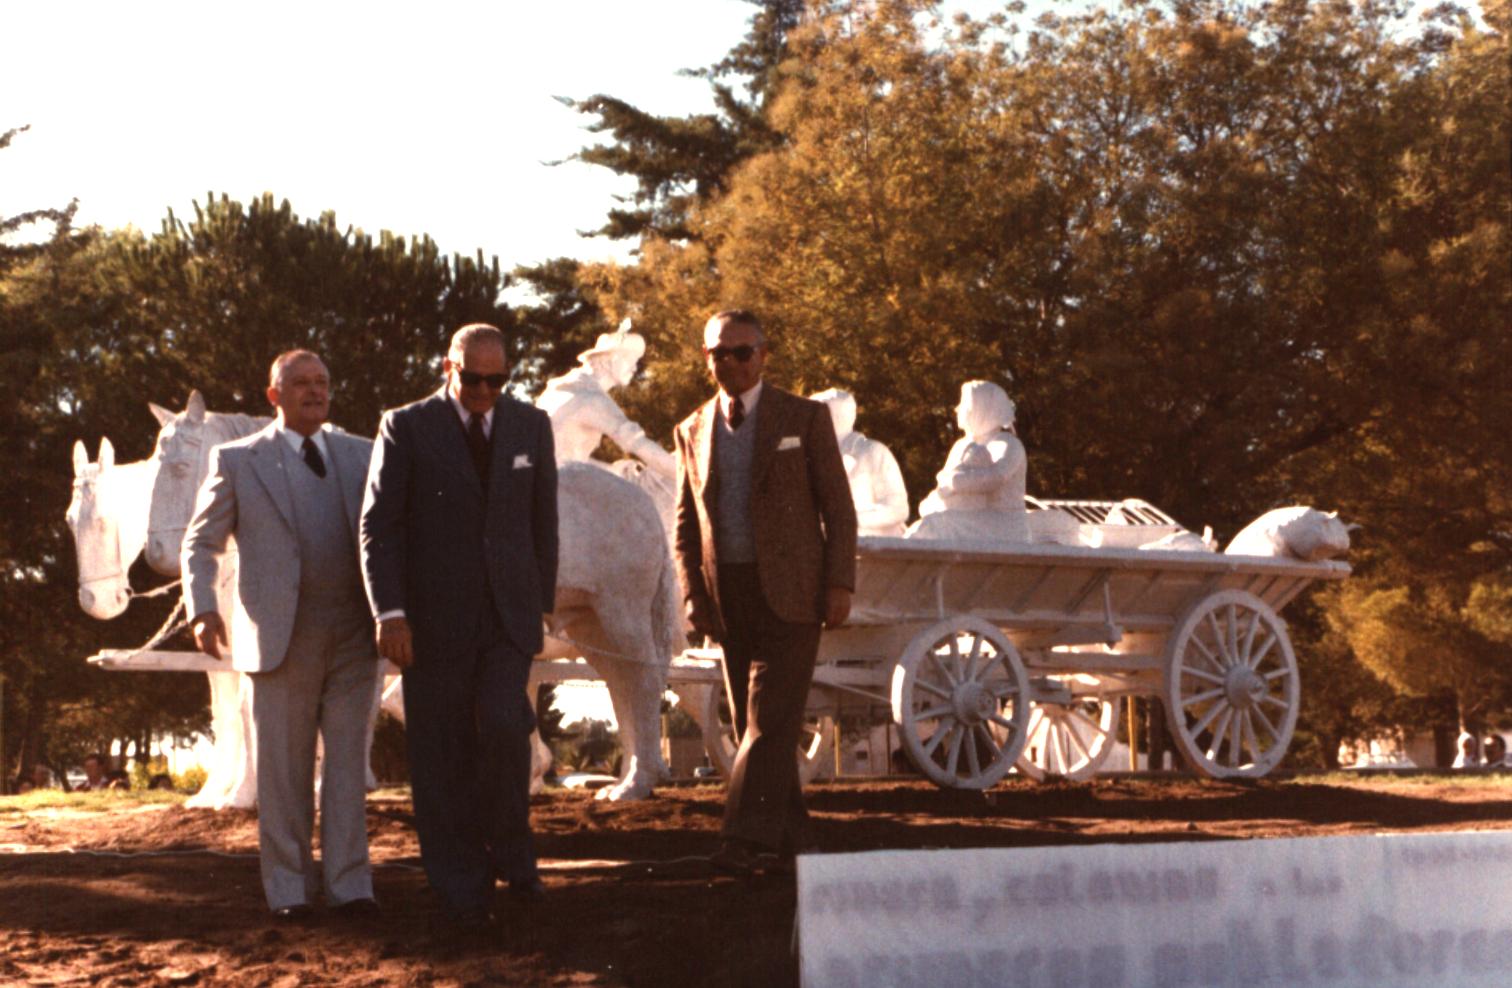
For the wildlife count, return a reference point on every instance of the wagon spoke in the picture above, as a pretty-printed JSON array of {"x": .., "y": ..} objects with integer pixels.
[
  {"x": 1001, "y": 721},
  {"x": 1231, "y": 626},
  {"x": 1275, "y": 701},
  {"x": 1207, "y": 653},
  {"x": 933, "y": 744},
  {"x": 1249, "y": 639},
  {"x": 953, "y": 760},
  {"x": 1276, "y": 673},
  {"x": 973, "y": 659},
  {"x": 1266, "y": 723},
  {"x": 973, "y": 760},
  {"x": 925, "y": 685},
  {"x": 986, "y": 735},
  {"x": 934, "y": 713},
  {"x": 1198, "y": 673},
  {"x": 1071, "y": 728},
  {"x": 1202, "y": 697},
  {"x": 1218, "y": 635},
  {"x": 1255, "y": 657},
  {"x": 1236, "y": 738},
  {"x": 1004, "y": 689},
  {"x": 954, "y": 654},
  {"x": 1208, "y": 717},
  {"x": 1220, "y": 730},
  {"x": 944, "y": 669}
]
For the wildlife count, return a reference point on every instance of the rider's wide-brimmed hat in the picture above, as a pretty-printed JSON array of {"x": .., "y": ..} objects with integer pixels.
[{"x": 622, "y": 340}]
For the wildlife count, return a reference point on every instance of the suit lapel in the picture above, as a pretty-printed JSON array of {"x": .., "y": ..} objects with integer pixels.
[
  {"x": 703, "y": 450},
  {"x": 451, "y": 440},
  {"x": 768, "y": 431},
  {"x": 268, "y": 466},
  {"x": 351, "y": 474},
  {"x": 503, "y": 441}
]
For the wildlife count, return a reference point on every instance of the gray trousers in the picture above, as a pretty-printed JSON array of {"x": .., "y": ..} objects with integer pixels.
[{"x": 324, "y": 685}]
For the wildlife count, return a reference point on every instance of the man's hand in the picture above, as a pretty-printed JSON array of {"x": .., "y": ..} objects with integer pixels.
[
  {"x": 209, "y": 633},
  {"x": 699, "y": 618},
  {"x": 837, "y": 604},
  {"x": 394, "y": 642}
]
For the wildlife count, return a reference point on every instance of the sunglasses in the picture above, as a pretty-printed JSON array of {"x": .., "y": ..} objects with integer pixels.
[
  {"x": 741, "y": 353},
  {"x": 471, "y": 379}
]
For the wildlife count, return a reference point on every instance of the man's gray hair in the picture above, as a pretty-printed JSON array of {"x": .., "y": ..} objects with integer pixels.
[
  {"x": 283, "y": 360},
  {"x": 473, "y": 335}
]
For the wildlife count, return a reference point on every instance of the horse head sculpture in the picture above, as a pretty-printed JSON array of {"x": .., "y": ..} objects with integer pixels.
[
  {"x": 183, "y": 460},
  {"x": 107, "y": 516}
]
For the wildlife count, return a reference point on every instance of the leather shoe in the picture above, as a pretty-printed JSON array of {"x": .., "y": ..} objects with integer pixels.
[
  {"x": 527, "y": 889},
  {"x": 298, "y": 913},
  {"x": 358, "y": 909}
]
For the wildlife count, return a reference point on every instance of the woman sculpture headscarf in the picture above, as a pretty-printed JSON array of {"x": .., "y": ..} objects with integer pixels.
[{"x": 979, "y": 494}]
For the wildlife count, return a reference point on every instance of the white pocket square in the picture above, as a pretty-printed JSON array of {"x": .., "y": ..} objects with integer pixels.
[
  {"x": 522, "y": 461},
  {"x": 789, "y": 442}
]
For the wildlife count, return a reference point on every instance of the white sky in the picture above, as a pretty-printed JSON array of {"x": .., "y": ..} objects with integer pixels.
[{"x": 434, "y": 118}]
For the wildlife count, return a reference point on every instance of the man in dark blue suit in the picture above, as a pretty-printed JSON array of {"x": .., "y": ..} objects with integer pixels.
[{"x": 459, "y": 555}]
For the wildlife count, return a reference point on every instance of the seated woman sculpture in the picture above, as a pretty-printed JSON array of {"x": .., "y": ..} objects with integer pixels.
[
  {"x": 876, "y": 482},
  {"x": 980, "y": 492}
]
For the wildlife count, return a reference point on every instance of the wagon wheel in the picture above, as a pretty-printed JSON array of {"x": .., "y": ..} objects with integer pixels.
[
  {"x": 1069, "y": 740},
  {"x": 816, "y": 741},
  {"x": 1231, "y": 686},
  {"x": 960, "y": 699}
]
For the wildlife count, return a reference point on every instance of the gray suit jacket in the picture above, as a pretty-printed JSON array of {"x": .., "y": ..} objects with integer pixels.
[
  {"x": 246, "y": 498},
  {"x": 439, "y": 547}
]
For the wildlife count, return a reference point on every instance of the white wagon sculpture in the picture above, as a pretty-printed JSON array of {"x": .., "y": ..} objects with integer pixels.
[{"x": 984, "y": 659}]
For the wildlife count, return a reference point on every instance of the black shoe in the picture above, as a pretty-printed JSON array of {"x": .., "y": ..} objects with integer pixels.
[
  {"x": 298, "y": 913},
  {"x": 527, "y": 890},
  {"x": 357, "y": 909}
]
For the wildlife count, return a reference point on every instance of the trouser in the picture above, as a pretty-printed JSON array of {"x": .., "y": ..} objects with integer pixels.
[
  {"x": 324, "y": 685},
  {"x": 768, "y": 666},
  {"x": 467, "y": 723}
]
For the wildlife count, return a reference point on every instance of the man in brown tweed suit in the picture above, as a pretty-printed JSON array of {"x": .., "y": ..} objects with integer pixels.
[{"x": 766, "y": 549}]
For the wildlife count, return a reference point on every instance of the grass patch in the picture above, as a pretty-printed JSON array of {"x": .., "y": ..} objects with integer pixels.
[
  {"x": 1488, "y": 779},
  {"x": 88, "y": 802}
]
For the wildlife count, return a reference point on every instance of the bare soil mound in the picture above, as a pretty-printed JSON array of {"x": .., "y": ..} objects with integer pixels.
[{"x": 151, "y": 895}]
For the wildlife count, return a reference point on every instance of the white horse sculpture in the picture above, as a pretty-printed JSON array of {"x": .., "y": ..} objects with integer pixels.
[
  {"x": 108, "y": 518},
  {"x": 617, "y": 599}
]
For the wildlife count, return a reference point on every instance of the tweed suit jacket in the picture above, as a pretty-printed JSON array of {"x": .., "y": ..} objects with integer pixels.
[
  {"x": 802, "y": 517},
  {"x": 438, "y": 546},
  {"x": 246, "y": 499}
]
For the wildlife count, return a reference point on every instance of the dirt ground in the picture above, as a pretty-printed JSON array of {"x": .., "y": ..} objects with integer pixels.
[{"x": 151, "y": 895}]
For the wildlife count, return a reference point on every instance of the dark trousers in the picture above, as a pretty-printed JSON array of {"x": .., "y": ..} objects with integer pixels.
[
  {"x": 768, "y": 665},
  {"x": 467, "y": 726}
]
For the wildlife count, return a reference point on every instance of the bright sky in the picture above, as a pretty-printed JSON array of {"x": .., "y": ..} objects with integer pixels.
[{"x": 435, "y": 118}]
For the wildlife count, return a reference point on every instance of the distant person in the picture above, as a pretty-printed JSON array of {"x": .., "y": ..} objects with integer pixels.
[
  {"x": 117, "y": 779},
  {"x": 459, "y": 551},
  {"x": 1495, "y": 748},
  {"x": 766, "y": 551},
  {"x": 290, "y": 497},
  {"x": 94, "y": 773}
]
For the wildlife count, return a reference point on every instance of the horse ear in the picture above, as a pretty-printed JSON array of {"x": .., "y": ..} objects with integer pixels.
[
  {"x": 107, "y": 454},
  {"x": 80, "y": 458},
  {"x": 163, "y": 415},
  {"x": 195, "y": 410}
]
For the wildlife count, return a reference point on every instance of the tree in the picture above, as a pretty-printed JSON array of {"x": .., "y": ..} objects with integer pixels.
[{"x": 100, "y": 323}]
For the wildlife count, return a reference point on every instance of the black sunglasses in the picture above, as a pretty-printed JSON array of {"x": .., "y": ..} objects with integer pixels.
[
  {"x": 471, "y": 379},
  {"x": 741, "y": 353}
]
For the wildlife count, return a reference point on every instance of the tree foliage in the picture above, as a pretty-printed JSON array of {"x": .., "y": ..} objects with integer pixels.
[
  {"x": 101, "y": 323},
  {"x": 1226, "y": 256}
]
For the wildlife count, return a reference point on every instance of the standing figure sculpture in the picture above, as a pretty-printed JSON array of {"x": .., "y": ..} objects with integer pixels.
[
  {"x": 766, "y": 549},
  {"x": 459, "y": 553},
  {"x": 289, "y": 497},
  {"x": 980, "y": 490},
  {"x": 876, "y": 483}
]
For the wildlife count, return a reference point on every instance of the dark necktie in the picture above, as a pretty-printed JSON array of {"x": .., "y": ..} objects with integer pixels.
[
  {"x": 477, "y": 445},
  {"x": 737, "y": 413},
  {"x": 312, "y": 457}
]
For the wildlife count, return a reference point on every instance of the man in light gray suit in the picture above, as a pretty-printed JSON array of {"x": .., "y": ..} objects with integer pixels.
[
  {"x": 290, "y": 498},
  {"x": 459, "y": 551}
]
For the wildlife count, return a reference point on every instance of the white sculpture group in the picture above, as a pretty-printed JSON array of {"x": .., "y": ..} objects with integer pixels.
[{"x": 618, "y": 602}]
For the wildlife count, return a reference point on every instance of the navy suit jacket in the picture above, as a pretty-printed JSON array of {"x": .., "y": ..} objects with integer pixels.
[{"x": 440, "y": 547}]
